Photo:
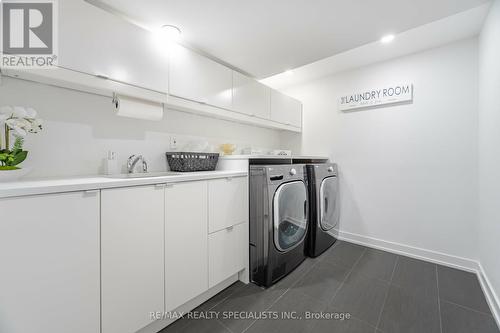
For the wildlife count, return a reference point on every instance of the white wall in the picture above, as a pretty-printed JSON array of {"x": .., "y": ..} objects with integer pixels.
[
  {"x": 408, "y": 172},
  {"x": 80, "y": 128},
  {"x": 489, "y": 146}
]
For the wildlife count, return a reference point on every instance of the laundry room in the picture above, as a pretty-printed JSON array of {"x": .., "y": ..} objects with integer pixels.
[{"x": 234, "y": 166}]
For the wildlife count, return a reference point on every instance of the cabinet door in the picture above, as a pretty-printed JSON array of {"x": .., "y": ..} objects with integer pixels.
[
  {"x": 49, "y": 259},
  {"x": 227, "y": 202},
  {"x": 99, "y": 43},
  {"x": 132, "y": 229},
  {"x": 285, "y": 109},
  {"x": 227, "y": 251},
  {"x": 251, "y": 97},
  {"x": 186, "y": 244},
  {"x": 200, "y": 79}
]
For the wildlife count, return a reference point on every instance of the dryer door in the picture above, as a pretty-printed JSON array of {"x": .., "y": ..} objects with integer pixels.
[
  {"x": 290, "y": 215},
  {"x": 329, "y": 203}
]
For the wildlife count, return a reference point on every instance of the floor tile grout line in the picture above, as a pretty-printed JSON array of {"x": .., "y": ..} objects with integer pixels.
[
  {"x": 300, "y": 279},
  {"x": 266, "y": 309},
  {"x": 439, "y": 301},
  {"x": 279, "y": 297},
  {"x": 224, "y": 299},
  {"x": 345, "y": 278},
  {"x": 283, "y": 294},
  {"x": 227, "y": 328},
  {"x": 394, "y": 269},
  {"x": 466, "y": 307},
  {"x": 386, "y": 294},
  {"x": 342, "y": 284}
]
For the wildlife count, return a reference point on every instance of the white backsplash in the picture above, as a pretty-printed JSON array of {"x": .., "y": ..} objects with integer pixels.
[{"x": 81, "y": 128}]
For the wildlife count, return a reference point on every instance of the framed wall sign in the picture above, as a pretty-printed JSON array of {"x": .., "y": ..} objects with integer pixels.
[{"x": 393, "y": 94}]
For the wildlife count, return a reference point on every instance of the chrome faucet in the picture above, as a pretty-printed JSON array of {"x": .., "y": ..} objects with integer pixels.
[{"x": 133, "y": 160}]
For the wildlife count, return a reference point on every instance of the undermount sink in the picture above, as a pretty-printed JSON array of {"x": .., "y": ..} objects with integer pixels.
[{"x": 145, "y": 175}]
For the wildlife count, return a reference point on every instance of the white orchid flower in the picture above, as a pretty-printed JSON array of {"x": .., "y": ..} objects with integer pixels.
[
  {"x": 20, "y": 127},
  {"x": 19, "y": 112},
  {"x": 6, "y": 111},
  {"x": 31, "y": 113},
  {"x": 36, "y": 126}
]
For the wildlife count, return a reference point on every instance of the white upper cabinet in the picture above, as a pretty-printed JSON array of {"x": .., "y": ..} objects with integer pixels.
[
  {"x": 186, "y": 243},
  {"x": 49, "y": 263},
  {"x": 99, "y": 43},
  {"x": 199, "y": 79},
  {"x": 132, "y": 250},
  {"x": 251, "y": 97},
  {"x": 285, "y": 109}
]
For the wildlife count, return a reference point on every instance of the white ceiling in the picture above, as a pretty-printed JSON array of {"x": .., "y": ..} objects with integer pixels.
[
  {"x": 463, "y": 25},
  {"x": 266, "y": 37}
]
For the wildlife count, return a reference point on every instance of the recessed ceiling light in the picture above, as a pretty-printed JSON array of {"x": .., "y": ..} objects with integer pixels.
[
  {"x": 289, "y": 72},
  {"x": 387, "y": 39},
  {"x": 170, "y": 32}
]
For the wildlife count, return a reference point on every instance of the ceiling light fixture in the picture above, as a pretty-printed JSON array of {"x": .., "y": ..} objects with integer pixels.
[
  {"x": 170, "y": 32},
  {"x": 289, "y": 72},
  {"x": 387, "y": 39}
]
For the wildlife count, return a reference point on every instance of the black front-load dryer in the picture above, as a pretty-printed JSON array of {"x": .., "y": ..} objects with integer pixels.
[
  {"x": 278, "y": 221},
  {"x": 323, "y": 188}
]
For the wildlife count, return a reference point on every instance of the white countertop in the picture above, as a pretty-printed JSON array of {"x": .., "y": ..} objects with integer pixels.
[
  {"x": 56, "y": 185},
  {"x": 247, "y": 157}
]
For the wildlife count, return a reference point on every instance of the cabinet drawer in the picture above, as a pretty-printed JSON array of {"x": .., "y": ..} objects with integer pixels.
[
  {"x": 227, "y": 203},
  {"x": 227, "y": 251}
]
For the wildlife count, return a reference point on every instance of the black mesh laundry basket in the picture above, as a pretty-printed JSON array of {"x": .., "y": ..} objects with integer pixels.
[{"x": 189, "y": 162}]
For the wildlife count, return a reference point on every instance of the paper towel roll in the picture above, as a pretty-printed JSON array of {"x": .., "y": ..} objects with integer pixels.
[{"x": 130, "y": 107}]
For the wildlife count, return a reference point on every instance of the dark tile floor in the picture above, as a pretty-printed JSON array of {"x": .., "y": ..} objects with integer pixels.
[{"x": 382, "y": 292}]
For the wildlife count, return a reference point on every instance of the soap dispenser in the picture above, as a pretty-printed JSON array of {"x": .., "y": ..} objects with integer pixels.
[{"x": 110, "y": 163}]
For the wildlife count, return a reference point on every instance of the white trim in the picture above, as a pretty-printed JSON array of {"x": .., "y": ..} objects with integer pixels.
[
  {"x": 489, "y": 292},
  {"x": 461, "y": 263},
  {"x": 464, "y": 264}
]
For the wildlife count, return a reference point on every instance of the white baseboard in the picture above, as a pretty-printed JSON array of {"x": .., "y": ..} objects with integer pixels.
[
  {"x": 440, "y": 258},
  {"x": 464, "y": 264},
  {"x": 489, "y": 292}
]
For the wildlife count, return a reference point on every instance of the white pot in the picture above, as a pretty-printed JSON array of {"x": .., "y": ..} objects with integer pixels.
[{"x": 13, "y": 175}]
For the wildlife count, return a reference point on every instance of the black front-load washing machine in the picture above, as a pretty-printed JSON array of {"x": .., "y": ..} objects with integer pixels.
[
  {"x": 278, "y": 221},
  {"x": 323, "y": 207}
]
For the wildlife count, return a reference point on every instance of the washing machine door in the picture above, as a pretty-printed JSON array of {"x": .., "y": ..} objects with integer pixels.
[
  {"x": 329, "y": 203},
  {"x": 290, "y": 215}
]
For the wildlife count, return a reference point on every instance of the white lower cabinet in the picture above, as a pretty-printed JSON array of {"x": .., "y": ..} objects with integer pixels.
[
  {"x": 186, "y": 243},
  {"x": 227, "y": 252},
  {"x": 49, "y": 263},
  {"x": 227, "y": 202},
  {"x": 152, "y": 252},
  {"x": 132, "y": 255}
]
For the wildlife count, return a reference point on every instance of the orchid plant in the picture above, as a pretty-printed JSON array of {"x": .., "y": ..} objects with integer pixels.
[{"x": 16, "y": 122}]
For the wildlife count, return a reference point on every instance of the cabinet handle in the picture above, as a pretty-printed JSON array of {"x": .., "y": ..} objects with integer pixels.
[
  {"x": 229, "y": 179},
  {"x": 169, "y": 185},
  {"x": 159, "y": 186},
  {"x": 90, "y": 192},
  {"x": 230, "y": 228}
]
